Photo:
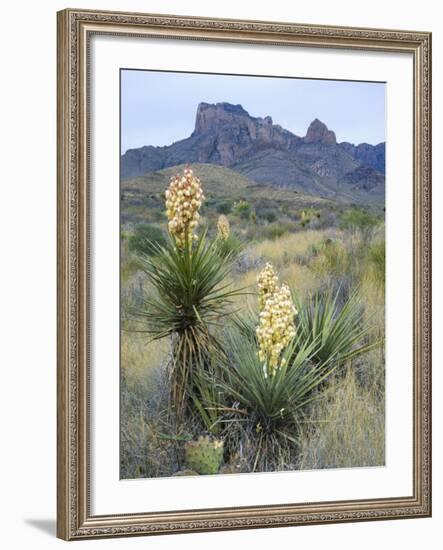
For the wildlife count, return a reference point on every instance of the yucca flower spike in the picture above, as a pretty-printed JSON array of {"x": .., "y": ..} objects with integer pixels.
[
  {"x": 223, "y": 227},
  {"x": 276, "y": 328},
  {"x": 184, "y": 198},
  {"x": 267, "y": 282}
]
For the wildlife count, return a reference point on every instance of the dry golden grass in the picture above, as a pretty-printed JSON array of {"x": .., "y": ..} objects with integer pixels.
[
  {"x": 299, "y": 277},
  {"x": 374, "y": 300},
  {"x": 286, "y": 248},
  {"x": 347, "y": 429},
  {"x": 139, "y": 357},
  {"x": 282, "y": 253}
]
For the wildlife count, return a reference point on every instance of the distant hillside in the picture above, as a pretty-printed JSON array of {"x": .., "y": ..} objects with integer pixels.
[
  {"x": 143, "y": 197},
  {"x": 266, "y": 153}
]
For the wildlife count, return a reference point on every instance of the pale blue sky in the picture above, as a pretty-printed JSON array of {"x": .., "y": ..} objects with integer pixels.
[{"x": 158, "y": 108}]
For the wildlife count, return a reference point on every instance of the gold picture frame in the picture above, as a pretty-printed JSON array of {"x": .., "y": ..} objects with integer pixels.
[{"x": 75, "y": 28}]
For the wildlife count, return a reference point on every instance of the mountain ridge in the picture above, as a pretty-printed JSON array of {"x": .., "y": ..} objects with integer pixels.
[{"x": 225, "y": 134}]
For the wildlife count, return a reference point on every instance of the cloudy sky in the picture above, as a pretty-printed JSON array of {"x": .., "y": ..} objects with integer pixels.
[{"x": 158, "y": 108}]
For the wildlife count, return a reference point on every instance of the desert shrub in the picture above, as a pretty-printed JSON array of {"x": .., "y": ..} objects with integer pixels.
[
  {"x": 361, "y": 221},
  {"x": 312, "y": 251},
  {"x": 268, "y": 214},
  {"x": 261, "y": 232},
  {"x": 332, "y": 259},
  {"x": 130, "y": 262},
  {"x": 130, "y": 267},
  {"x": 230, "y": 247},
  {"x": 357, "y": 218},
  {"x": 243, "y": 209},
  {"x": 309, "y": 215},
  {"x": 145, "y": 238},
  {"x": 224, "y": 207},
  {"x": 274, "y": 231},
  {"x": 369, "y": 370}
]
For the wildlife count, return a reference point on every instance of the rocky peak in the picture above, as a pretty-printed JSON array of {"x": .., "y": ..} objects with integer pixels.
[
  {"x": 229, "y": 132},
  {"x": 212, "y": 117},
  {"x": 318, "y": 133}
]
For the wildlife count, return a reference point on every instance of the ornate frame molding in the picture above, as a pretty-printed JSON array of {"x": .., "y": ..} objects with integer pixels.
[{"x": 74, "y": 30}]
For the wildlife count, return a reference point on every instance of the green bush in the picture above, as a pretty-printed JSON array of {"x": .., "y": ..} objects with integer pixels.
[
  {"x": 243, "y": 209},
  {"x": 308, "y": 215},
  {"x": 268, "y": 214},
  {"x": 358, "y": 219},
  {"x": 275, "y": 231},
  {"x": 231, "y": 246},
  {"x": 145, "y": 239},
  {"x": 224, "y": 208}
]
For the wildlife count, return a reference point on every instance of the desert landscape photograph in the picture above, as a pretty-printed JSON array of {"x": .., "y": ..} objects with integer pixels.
[{"x": 252, "y": 274}]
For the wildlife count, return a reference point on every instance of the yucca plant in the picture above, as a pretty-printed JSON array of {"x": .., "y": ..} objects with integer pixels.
[
  {"x": 269, "y": 408},
  {"x": 227, "y": 243},
  {"x": 341, "y": 332},
  {"x": 191, "y": 294}
]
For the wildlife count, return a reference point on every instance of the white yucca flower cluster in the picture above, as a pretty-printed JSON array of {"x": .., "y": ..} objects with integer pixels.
[
  {"x": 267, "y": 282},
  {"x": 223, "y": 227},
  {"x": 184, "y": 198},
  {"x": 276, "y": 325}
]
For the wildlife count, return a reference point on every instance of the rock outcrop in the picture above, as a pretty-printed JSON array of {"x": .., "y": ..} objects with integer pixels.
[
  {"x": 228, "y": 135},
  {"x": 318, "y": 133}
]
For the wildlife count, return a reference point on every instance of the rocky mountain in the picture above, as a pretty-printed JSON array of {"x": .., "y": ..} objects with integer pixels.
[
  {"x": 370, "y": 155},
  {"x": 266, "y": 153}
]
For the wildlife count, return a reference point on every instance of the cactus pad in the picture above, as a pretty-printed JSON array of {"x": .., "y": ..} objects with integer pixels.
[{"x": 204, "y": 455}]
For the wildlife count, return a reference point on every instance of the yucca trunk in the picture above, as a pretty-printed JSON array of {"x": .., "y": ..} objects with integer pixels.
[{"x": 193, "y": 350}]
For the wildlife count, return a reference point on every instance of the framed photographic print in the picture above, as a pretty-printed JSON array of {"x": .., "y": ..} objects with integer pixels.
[{"x": 243, "y": 274}]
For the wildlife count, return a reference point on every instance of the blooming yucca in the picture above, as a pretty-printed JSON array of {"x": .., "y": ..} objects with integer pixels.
[
  {"x": 191, "y": 294},
  {"x": 184, "y": 198},
  {"x": 223, "y": 227},
  {"x": 267, "y": 281},
  {"x": 276, "y": 328}
]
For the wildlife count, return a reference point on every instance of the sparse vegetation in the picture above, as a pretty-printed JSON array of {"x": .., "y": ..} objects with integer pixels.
[
  {"x": 145, "y": 239},
  {"x": 194, "y": 340}
]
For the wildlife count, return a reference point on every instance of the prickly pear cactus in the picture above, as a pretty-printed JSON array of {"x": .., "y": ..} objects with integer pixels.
[{"x": 204, "y": 455}]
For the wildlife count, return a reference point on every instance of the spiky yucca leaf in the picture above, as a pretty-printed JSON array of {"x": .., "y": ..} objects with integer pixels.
[
  {"x": 190, "y": 288},
  {"x": 341, "y": 332},
  {"x": 270, "y": 408},
  {"x": 191, "y": 294},
  {"x": 277, "y": 397},
  {"x": 229, "y": 247}
]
